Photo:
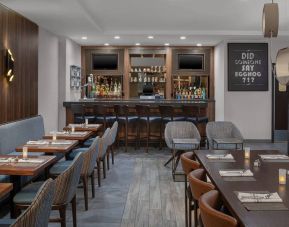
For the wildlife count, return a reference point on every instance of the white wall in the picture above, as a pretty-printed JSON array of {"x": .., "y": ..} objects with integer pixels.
[
  {"x": 48, "y": 79},
  {"x": 250, "y": 111},
  {"x": 55, "y": 54}
]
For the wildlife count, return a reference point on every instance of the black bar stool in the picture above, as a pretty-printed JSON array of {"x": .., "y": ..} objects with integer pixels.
[
  {"x": 123, "y": 118},
  {"x": 144, "y": 117},
  {"x": 102, "y": 116},
  {"x": 88, "y": 113},
  {"x": 191, "y": 113},
  {"x": 78, "y": 113},
  {"x": 167, "y": 114}
]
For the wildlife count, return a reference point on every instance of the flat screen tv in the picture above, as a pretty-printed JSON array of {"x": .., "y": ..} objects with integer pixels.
[
  {"x": 104, "y": 61},
  {"x": 191, "y": 61}
]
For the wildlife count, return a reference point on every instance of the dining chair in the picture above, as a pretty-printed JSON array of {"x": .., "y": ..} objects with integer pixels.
[
  {"x": 101, "y": 158},
  {"x": 199, "y": 186},
  {"x": 210, "y": 204},
  {"x": 37, "y": 214},
  {"x": 222, "y": 130},
  {"x": 111, "y": 142},
  {"x": 188, "y": 164},
  {"x": 65, "y": 192},
  {"x": 180, "y": 130},
  {"x": 89, "y": 162}
]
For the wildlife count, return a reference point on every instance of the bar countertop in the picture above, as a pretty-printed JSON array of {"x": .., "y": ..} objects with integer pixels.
[{"x": 142, "y": 101}]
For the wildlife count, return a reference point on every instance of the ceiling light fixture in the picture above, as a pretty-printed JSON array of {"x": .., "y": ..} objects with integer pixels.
[
  {"x": 150, "y": 37},
  {"x": 117, "y": 37},
  {"x": 183, "y": 37},
  {"x": 137, "y": 44},
  {"x": 199, "y": 44},
  {"x": 106, "y": 44},
  {"x": 166, "y": 44},
  {"x": 84, "y": 37}
]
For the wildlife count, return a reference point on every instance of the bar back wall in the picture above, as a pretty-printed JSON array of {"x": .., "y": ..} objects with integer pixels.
[{"x": 18, "y": 98}]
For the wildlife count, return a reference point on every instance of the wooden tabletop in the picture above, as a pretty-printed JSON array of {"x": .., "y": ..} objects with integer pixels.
[
  {"x": 80, "y": 136},
  {"x": 5, "y": 188},
  {"x": 51, "y": 147},
  {"x": 266, "y": 180},
  {"x": 83, "y": 127},
  {"x": 25, "y": 169}
]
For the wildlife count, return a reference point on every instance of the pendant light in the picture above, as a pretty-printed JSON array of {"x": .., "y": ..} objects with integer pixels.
[{"x": 270, "y": 20}]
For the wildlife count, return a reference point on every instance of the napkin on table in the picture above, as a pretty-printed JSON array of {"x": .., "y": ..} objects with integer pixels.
[
  {"x": 220, "y": 156},
  {"x": 247, "y": 197},
  {"x": 236, "y": 173},
  {"x": 273, "y": 156}
]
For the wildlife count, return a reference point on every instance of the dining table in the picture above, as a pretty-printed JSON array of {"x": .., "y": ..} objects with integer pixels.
[
  {"x": 5, "y": 188},
  {"x": 265, "y": 179},
  {"x": 49, "y": 146},
  {"x": 81, "y": 136},
  {"x": 17, "y": 167},
  {"x": 83, "y": 127}
]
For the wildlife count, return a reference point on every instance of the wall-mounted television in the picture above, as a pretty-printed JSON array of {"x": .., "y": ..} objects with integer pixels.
[
  {"x": 104, "y": 61},
  {"x": 191, "y": 61}
]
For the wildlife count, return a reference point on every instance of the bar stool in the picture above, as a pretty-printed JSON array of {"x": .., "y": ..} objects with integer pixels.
[
  {"x": 144, "y": 116},
  {"x": 191, "y": 113},
  {"x": 102, "y": 116},
  {"x": 78, "y": 113},
  {"x": 88, "y": 113},
  {"x": 167, "y": 114},
  {"x": 123, "y": 118}
]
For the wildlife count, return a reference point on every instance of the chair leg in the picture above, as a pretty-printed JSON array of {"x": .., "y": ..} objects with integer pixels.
[
  {"x": 92, "y": 184},
  {"x": 107, "y": 158},
  {"x": 126, "y": 136},
  {"x": 161, "y": 135},
  {"x": 85, "y": 190},
  {"x": 104, "y": 168},
  {"x": 148, "y": 135},
  {"x": 196, "y": 212},
  {"x": 62, "y": 213},
  {"x": 190, "y": 212},
  {"x": 98, "y": 173},
  {"x": 171, "y": 159},
  {"x": 186, "y": 202},
  {"x": 73, "y": 204},
  {"x": 112, "y": 154}
]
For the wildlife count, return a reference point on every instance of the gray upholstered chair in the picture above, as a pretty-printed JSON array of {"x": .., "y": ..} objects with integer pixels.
[
  {"x": 105, "y": 140},
  {"x": 65, "y": 192},
  {"x": 224, "y": 130},
  {"x": 181, "y": 130},
  {"x": 111, "y": 141},
  {"x": 37, "y": 214},
  {"x": 90, "y": 155}
]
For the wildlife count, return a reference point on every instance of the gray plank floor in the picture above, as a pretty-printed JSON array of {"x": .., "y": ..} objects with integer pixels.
[{"x": 139, "y": 192}]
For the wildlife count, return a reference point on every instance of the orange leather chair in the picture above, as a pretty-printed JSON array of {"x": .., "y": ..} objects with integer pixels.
[
  {"x": 199, "y": 186},
  {"x": 209, "y": 204},
  {"x": 188, "y": 164}
]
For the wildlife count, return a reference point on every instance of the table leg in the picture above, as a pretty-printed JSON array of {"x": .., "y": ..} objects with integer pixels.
[{"x": 16, "y": 180}]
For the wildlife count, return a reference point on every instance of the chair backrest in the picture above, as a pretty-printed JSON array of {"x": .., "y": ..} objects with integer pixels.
[
  {"x": 121, "y": 110},
  {"x": 198, "y": 184},
  {"x": 77, "y": 109},
  {"x": 191, "y": 111},
  {"x": 66, "y": 182},
  {"x": 209, "y": 204},
  {"x": 142, "y": 110},
  {"x": 220, "y": 130},
  {"x": 100, "y": 110},
  {"x": 180, "y": 130},
  {"x": 17, "y": 133},
  {"x": 37, "y": 214},
  {"x": 104, "y": 143},
  {"x": 166, "y": 111},
  {"x": 113, "y": 131},
  {"x": 90, "y": 157},
  {"x": 188, "y": 162}
]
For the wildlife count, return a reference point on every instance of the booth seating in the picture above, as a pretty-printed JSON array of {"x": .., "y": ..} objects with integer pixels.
[{"x": 17, "y": 133}]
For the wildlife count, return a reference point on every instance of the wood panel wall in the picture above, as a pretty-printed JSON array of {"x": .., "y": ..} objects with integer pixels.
[{"x": 19, "y": 98}]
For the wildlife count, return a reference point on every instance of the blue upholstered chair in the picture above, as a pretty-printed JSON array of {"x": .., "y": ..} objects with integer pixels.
[
  {"x": 37, "y": 214},
  {"x": 223, "y": 130},
  {"x": 65, "y": 192},
  {"x": 90, "y": 155}
]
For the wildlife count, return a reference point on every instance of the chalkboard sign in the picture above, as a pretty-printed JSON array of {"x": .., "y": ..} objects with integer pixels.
[{"x": 247, "y": 66}]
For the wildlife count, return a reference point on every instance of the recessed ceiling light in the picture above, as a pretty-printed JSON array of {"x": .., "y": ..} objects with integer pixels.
[
  {"x": 84, "y": 37},
  {"x": 117, "y": 37},
  {"x": 106, "y": 44},
  {"x": 150, "y": 37},
  {"x": 167, "y": 44},
  {"x": 137, "y": 44},
  {"x": 183, "y": 37},
  {"x": 199, "y": 44}
]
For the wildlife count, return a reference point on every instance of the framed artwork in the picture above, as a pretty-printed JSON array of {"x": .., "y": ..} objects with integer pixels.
[
  {"x": 75, "y": 77},
  {"x": 247, "y": 67}
]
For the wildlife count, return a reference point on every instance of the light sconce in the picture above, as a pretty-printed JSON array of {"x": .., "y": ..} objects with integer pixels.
[
  {"x": 9, "y": 65},
  {"x": 270, "y": 20}
]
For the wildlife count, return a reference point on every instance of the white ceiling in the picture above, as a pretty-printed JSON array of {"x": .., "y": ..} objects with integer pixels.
[{"x": 202, "y": 21}]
